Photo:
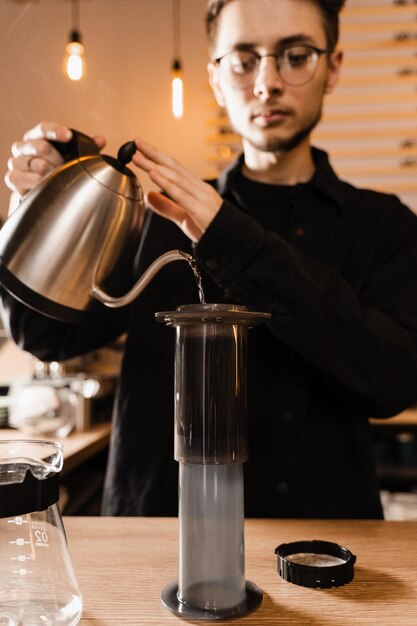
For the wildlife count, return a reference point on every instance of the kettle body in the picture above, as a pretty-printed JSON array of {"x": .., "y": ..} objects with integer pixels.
[
  {"x": 80, "y": 226},
  {"x": 70, "y": 246}
]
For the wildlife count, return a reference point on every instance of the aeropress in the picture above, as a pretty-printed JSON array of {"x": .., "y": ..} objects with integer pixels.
[{"x": 211, "y": 447}]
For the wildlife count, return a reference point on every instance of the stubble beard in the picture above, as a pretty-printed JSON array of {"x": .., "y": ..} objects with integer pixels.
[{"x": 278, "y": 145}]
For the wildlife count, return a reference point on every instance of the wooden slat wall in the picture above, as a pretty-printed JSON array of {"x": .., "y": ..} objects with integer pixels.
[{"x": 369, "y": 124}]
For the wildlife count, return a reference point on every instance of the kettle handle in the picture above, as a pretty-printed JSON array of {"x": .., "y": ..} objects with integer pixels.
[{"x": 78, "y": 146}]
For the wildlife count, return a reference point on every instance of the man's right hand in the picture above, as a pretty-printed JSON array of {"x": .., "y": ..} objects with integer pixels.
[{"x": 34, "y": 157}]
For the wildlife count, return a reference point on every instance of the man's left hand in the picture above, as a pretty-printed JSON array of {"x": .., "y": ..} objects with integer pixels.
[{"x": 192, "y": 204}]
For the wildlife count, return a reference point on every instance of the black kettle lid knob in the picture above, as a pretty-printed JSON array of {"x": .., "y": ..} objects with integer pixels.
[{"x": 126, "y": 152}]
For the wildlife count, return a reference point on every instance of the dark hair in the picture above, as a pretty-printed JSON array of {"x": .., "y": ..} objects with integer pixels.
[{"x": 330, "y": 10}]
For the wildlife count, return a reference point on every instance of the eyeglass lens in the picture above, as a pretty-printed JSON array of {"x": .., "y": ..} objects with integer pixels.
[{"x": 296, "y": 66}]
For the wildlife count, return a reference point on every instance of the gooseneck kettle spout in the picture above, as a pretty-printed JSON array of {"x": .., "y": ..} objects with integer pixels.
[
  {"x": 144, "y": 280},
  {"x": 70, "y": 246}
]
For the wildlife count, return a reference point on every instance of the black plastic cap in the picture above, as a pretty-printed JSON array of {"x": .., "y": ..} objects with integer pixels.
[
  {"x": 322, "y": 576},
  {"x": 126, "y": 152}
]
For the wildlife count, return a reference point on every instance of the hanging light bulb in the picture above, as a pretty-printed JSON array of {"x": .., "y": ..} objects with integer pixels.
[
  {"x": 177, "y": 90},
  {"x": 177, "y": 83},
  {"x": 74, "y": 59}
]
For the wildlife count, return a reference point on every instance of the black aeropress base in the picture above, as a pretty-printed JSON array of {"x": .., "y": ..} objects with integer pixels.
[{"x": 169, "y": 597}]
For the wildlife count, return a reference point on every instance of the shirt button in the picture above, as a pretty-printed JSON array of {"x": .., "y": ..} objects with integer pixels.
[
  {"x": 282, "y": 488},
  {"x": 212, "y": 264}
]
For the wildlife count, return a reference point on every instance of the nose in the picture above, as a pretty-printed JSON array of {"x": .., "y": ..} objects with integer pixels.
[{"x": 268, "y": 81}]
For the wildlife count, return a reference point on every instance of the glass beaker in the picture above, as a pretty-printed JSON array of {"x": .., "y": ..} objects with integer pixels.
[
  {"x": 38, "y": 586},
  {"x": 211, "y": 447}
]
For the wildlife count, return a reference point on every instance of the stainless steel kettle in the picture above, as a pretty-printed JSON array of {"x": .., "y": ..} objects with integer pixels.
[{"x": 71, "y": 242}]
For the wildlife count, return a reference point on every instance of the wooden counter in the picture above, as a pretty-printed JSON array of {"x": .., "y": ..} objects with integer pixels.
[
  {"x": 78, "y": 447},
  {"x": 406, "y": 418},
  {"x": 123, "y": 563}
]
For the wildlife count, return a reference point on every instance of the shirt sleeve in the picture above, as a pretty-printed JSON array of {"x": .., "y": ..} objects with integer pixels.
[
  {"x": 363, "y": 346},
  {"x": 52, "y": 340}
]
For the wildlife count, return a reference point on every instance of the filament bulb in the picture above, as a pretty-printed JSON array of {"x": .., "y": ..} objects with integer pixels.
[
  {"x": 177, "y": 90},
  {"x": 74, "y": 60}
]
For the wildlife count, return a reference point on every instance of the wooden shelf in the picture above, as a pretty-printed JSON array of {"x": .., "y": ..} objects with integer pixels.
[
  {"x": 406, "y": 418},
  {"x": 78, "y": 447}
]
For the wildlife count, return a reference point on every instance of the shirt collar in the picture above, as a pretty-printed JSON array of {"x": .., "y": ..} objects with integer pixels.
[{"x": 324, "y": 179}]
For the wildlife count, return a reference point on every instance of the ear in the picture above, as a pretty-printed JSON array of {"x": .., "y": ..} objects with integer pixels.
[
  {"x": 335, "y": 64},
  {"x": 213, "y": 76}
]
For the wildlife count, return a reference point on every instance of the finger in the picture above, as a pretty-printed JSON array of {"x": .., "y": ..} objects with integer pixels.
[
  {"x": 177, "y": 193},
  {"x": 37, "y": 147},
  {"x": 158, "y": 157},
  {"x": 100, "y": 141},
  {"x": 148, "y": 166},
  {"x": 48, "y": 130},
  {"x": 25, "y": 172},
  {"x": 180, "y": 176},
  {"x": 197, "y": 213},
  {"x": 143, "y": 162},
  {"x": 32, "y": 164},
  {"x": 168, "y": 209},
  {"x": 153, "y": 153},
  {"x": 184, "y": 180},
  {"x": 19, "y": 163},
  {"x": 22, "y": 183}
]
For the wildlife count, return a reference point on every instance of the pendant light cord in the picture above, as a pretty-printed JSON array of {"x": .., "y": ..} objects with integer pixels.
[
  {"x": 75, "y": 34},
  {"x": 176, "y": 23},
  {"x": 76, "y": 15}
]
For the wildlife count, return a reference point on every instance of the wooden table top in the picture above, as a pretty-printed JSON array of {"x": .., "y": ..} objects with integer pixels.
[{"x": 122, "y": 564}]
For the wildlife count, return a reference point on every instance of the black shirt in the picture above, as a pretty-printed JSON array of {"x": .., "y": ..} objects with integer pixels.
[{"x": 336, "y": 267}]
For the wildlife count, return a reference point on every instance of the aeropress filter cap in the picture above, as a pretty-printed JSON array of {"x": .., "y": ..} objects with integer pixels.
[{"x": 315, "y": 563}]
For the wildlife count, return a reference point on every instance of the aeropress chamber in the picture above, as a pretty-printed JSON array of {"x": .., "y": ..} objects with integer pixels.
[{"x": 211, "y": 447}]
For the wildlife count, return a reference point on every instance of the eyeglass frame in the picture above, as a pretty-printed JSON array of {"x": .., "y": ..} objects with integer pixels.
[{"x": 319, "y": 51}]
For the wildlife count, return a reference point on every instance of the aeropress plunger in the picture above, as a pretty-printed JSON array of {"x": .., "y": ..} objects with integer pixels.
[{"x": 211, "y": 447}]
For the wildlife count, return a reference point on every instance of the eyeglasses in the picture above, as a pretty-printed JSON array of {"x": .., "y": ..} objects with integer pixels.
[{"x": 296, "y": 65}]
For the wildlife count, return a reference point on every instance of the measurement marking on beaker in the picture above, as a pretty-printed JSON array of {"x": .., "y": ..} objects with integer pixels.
[
  {"x": 22, "y": 571},
  {"x": 39, "y": 526},
  {"x": 18, "y": 521},
  {"x": 41, "y": 539},
  {"x": 21, "y": 558},
  {"x": 19, "y": 541}
]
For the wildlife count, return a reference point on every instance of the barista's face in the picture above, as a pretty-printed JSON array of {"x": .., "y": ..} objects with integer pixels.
[{"x": 270, "y": 115}]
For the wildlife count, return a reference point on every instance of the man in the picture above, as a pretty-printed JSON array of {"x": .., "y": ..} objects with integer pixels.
[{"x": 277, "y": 232}]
